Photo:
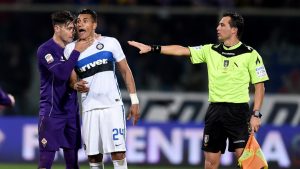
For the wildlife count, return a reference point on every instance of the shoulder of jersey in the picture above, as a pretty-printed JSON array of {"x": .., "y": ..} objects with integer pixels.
[
  {"x": 216, "y": 45},
  {"x": 45, "y": 47},
  {"x": 108, "y": 38},
  {"x": 250, "y": 49}
]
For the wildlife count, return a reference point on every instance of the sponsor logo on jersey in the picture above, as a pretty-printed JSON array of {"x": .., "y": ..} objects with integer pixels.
[
  {"x": 49, "y": 58},
  {"x": 228, "y": 54},
  {"x": 93, "y": 64}
]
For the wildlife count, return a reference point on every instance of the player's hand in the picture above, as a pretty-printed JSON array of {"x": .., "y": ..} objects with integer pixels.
[
  {"x": 82, "y": 45},
  {"x": 12, "y": 99},
  {"x": 134, "y": 112},
  {"x": 142, "y": 47},
  {"x": 254, "y": 124},
  {"x": 81, "y": 86}
]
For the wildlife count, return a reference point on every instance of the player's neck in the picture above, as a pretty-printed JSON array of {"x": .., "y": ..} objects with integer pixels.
[
  {"x": 91, "y": 37},
  {"x": 231, "y": 42},
  {"x": 59, "y": 41},
  {"x": 97, "y": 36}
]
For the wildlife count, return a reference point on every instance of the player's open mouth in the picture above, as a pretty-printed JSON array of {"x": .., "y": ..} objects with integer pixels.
[{"x": 81, "y": 30}]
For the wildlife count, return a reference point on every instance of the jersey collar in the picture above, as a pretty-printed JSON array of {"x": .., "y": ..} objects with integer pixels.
[{"x": 232, "y": 47}]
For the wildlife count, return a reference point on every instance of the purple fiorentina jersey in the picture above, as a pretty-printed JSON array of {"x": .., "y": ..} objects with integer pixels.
[
  {"x": 4, "y": 99},
  {"x": 57, "y": 99}
]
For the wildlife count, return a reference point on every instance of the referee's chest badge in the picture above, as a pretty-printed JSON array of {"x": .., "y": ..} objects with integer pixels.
[
  {"x": 99, "y": 46},
  {"x": 226, "y": 63},
  {"x": 206, "y": 139}
]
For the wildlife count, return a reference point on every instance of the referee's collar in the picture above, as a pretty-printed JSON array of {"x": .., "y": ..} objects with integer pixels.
[{"x": 232, "y": 47}]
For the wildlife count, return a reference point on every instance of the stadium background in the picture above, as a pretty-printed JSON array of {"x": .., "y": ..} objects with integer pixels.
[{"x": 173, "y": 92}]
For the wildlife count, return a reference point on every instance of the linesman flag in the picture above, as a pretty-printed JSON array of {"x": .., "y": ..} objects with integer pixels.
[{"x": 252, "y": 157}]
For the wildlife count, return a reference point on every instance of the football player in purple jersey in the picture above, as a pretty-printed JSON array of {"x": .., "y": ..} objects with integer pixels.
[{"x": 59, "y": 125}]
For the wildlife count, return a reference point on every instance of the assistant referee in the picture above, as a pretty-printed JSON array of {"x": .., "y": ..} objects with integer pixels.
[{"x": 232, "y": 66}]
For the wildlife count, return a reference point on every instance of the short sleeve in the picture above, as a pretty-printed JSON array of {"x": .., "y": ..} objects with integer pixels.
[
  {"x": 118, "y": 53},
  {"x": 199, "y": 53},
  {"x": 257, "y": 69}
]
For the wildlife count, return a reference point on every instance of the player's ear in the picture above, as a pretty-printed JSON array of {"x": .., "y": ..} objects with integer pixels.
[
  {"x": 234, "y": 30},
  {"x": 94, "y": 25},
  {"x": 56, "y": 28}
]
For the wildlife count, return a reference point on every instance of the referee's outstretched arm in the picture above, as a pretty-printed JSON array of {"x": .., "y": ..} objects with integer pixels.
[{"x": 174, "y": 50}]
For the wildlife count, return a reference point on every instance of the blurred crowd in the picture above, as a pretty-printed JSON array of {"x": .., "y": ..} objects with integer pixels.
[
  {"x": 275, "y": 38},
  {"x": 214, "y": 3}
]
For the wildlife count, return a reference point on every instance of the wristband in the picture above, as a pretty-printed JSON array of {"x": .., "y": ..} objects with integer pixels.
[
  {"x": 134, "y": 99},
  {"x": 155, "y": 48},
  {"x": 257, "y": 114}
]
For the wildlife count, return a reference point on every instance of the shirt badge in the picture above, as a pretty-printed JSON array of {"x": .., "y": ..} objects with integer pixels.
[
  {"x": 49, "y": 58},
  {"x": 206, "y": 139},
  {"x": 44, "y": 142},
  {"x": 261, "y": 71},
  {"x": 99, "y": 46},
  {"x": 226, "y": 63}
]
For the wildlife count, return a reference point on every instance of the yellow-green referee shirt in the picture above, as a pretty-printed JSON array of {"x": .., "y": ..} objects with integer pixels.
[{"x": 230, "y": 70}]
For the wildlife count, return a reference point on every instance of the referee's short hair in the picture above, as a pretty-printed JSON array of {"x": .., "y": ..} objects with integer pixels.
[
  {"x": 62, "y": 17},
  {"x": 90, "y": 12},
  {"x": 236, "y": 21}
]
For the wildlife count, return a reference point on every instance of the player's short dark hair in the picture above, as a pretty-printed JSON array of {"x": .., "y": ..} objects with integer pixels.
[
  {"x": 90, "y": 12},
  {"x": 62, "y": 17},
  {"x": 236, "y": 21}
]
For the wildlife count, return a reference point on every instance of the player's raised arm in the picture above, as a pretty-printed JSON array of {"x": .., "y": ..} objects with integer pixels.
[{"x": 174, "y": 50}]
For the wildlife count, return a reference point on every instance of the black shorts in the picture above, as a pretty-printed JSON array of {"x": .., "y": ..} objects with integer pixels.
[{"x": 226, "y": 121}]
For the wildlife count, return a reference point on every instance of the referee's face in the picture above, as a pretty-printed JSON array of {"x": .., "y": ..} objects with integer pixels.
[{"x": 224, "y": 30}]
